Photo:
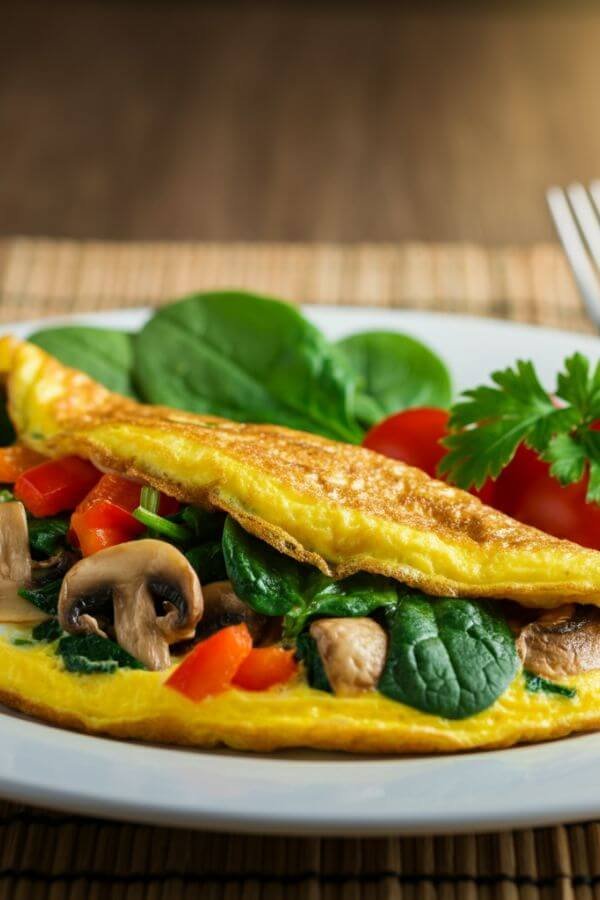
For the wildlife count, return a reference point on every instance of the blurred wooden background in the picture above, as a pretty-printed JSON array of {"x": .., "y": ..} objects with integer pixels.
[{"x": 294, "y": 120}]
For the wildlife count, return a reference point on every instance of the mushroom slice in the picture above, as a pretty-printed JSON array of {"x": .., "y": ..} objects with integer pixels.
[
  {"x": 353, "y": 652},
  {"x": 563, "y": 641},
  {"x": 223, "y": 607},
  {"x": 118, "y": 590},
  {"x": 15, "y": 565}
]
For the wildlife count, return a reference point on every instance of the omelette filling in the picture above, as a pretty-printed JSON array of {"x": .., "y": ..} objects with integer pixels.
[{"x": 132, "y": 579}]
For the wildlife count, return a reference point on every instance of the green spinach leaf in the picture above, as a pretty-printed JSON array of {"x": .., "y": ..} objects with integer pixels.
[
  {"x": 44, "y": 596},
  {"x": 449, "y": 657},
  {"x": 307, "y": 652},
  {"x": 102, "y": 353},
  {"x": 265, "y": 579},
  {"x": 47, "y": 632},
  {"x": 46, "y": 536},
  {"x": 90, "y": 653},
  {"x": 396, "y": 372},
  {"x": 208, "y": 562},
  {"x": 248, "y": 358},
  {"x": 535, "y": 684}
]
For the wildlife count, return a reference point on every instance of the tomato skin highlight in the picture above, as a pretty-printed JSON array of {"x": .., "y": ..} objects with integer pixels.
[
  {"x": 15, "y": 460},
  {"x": 265, "y": 667},
  {"x": 56, "y": 485},
  {"x": 211, "y": 666},
  {"x": 103, "y": 518}
]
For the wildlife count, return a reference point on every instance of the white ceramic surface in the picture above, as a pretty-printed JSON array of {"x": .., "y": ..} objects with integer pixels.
[{"x": 306, "y": 793}]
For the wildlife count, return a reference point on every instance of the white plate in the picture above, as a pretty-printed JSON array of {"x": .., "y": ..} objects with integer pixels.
[{"x": 307, "y": 793}]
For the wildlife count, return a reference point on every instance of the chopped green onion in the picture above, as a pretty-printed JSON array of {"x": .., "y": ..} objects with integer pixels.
[
  {"x": 163, "y": 526},
  {"x": 6, "y": 496},
  {"x": 150, "y": 499},
  {"x": 535, "y": 684}
]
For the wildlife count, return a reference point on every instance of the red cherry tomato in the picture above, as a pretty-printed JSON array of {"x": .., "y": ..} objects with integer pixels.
[
  {"x": 527, "y": 491},
  {"x": 414, "y": 436}
]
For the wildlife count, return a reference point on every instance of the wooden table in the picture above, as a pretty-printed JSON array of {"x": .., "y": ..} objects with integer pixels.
[{"x": 294, "y": 121}]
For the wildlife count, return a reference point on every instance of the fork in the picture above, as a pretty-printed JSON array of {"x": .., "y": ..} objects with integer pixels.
[{"x": 576, "y": 214}]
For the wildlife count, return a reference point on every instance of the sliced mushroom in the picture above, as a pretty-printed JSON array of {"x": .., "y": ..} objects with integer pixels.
[
  {"x": 223, "y": 607},
  {"x": 563, "y": 641},
  {"x": 121, "y": 592},
  {"x": 15, "y": 565},
  {"x": 353, "y": 652}
]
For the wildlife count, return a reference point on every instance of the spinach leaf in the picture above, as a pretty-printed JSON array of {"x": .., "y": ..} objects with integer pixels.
[
  {"x": 47, "y": 632},
  {"x": 307, "y": 652},
  {"x": 396, "y": 372},
  {"x": 248, "y": 358},
  {"x": 359, "y": 595},
  {"x": 262, "y": 577},
  {"x": 449, "y": 657},
  {"x": 46, "y": 535},
  {"x": 90, "y": 653},
  {"x": 208, "y": 562},
  {"x": 202, "y": 524},
  {"x": 102, "y": 353},
  {"x": 44, "y": 596},
  {"x": 535, "y": 684}
]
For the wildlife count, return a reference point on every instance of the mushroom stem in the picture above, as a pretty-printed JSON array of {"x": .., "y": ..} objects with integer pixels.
[{"x": 136, "y": 627}]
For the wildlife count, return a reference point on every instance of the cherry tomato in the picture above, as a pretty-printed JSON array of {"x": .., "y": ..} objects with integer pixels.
[{"x": 414, "y": 436}]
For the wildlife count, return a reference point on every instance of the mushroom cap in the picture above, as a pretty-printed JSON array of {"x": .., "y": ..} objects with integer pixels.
[
  {"x": 353, "y": 651},
  {"x": 129, "y": 572},
  {"x": 564, "y": 641}
]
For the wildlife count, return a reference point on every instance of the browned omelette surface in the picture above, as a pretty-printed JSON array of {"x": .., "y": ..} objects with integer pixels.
[{"x": 339, "y": 507}]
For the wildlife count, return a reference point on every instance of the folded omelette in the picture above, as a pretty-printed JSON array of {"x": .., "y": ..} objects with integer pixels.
[{"x": 417, "y": 618}]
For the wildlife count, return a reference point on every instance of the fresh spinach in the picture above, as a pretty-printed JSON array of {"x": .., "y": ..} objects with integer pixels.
[
  {"x": 248, "y": 358},
  {"x": 535, "y": 684},
  {"x": 46, "y": 536},
  {"x": 307, "y": 652},
  {"x": 265, "y": 579},
  {"x": 44, "y": 596},
  {"x": 47, "y": 632},
  {"x": 202, "y": 524},
  {"x": 104, "y": 354},
  {"x": 396, "y": 372},
  {"x": 276, "y": 585},
  {"x": 208, "y": 562},
  {"x": 449, "y": 657},
  {"x": 89, "y": 653}
]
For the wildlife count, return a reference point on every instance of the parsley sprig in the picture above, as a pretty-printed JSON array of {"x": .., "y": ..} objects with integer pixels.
[{"x": 489, "y": 422}]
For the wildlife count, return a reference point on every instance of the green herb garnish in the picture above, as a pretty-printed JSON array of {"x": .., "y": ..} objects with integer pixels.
[
  {"x": 535, "y": 684},
  {"x": 490, "y": 423}
]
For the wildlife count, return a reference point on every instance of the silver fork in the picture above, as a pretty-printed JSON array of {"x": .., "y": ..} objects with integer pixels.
[{"x": 576, "y": 214}]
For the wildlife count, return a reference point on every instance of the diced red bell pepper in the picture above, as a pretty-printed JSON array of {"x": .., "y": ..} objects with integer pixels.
[
  {"x": 15, "y": 460},
  {"x": 56, "y": 485},
  {"x": 104, "y": 519},
  {"x": 265, "y": 667},
  {"x": 211, "y": 666}
]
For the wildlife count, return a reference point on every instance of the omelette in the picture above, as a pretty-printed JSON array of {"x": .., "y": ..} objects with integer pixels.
[{"x": 270, "y": 588}]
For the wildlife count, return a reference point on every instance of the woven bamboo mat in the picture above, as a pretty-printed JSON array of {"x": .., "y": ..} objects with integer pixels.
[{"x": 58, "y": 857}]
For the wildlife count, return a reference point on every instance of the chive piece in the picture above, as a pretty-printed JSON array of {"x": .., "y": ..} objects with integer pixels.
[
  {"x": 163, "y": 526},
  {"x": 149, "y": 499},
  {"x": 535, "y": 684},
  {"x": 6, "y": 496}
]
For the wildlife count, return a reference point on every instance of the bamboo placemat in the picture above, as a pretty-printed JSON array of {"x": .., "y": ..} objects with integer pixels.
[{"x": 63, "y": 857}]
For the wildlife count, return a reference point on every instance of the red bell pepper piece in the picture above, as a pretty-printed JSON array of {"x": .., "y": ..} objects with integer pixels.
[
  {"x": 104, "y": 519},
  {"x": 210, "y": 667},
  {"x": 265, "y": 667},
  {"x": 56, "y": 485},
  {"x": 15, "y": 460}
]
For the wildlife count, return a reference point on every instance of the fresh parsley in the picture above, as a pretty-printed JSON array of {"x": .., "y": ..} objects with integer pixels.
[{"x": 489, "y": 422}]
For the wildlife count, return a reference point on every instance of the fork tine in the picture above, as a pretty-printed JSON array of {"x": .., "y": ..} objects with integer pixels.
[
  {"x": 575, "y": 251},
  {"x": 586, "y": 218}
]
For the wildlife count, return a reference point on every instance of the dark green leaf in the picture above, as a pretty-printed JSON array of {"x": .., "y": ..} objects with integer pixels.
[
  {"x": 263, "y": 578},
  {"x": 46, "y": 536},
  {"x": 535, "y": 684},
  {"x": 90, "y": 653},
  {"x": 449, "y": 657},
  {"x": 208, "y": 562},
  {"x": 247, "y": 358},
  {"x": 307, "y": 652},
  {"x": 396, "y": 372},
  {"x": 204, "y": 525},
  {"x": 47, "y": 631},
  {"x": 44, "y": 596},
  {"x": 102, "y": 353}
]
